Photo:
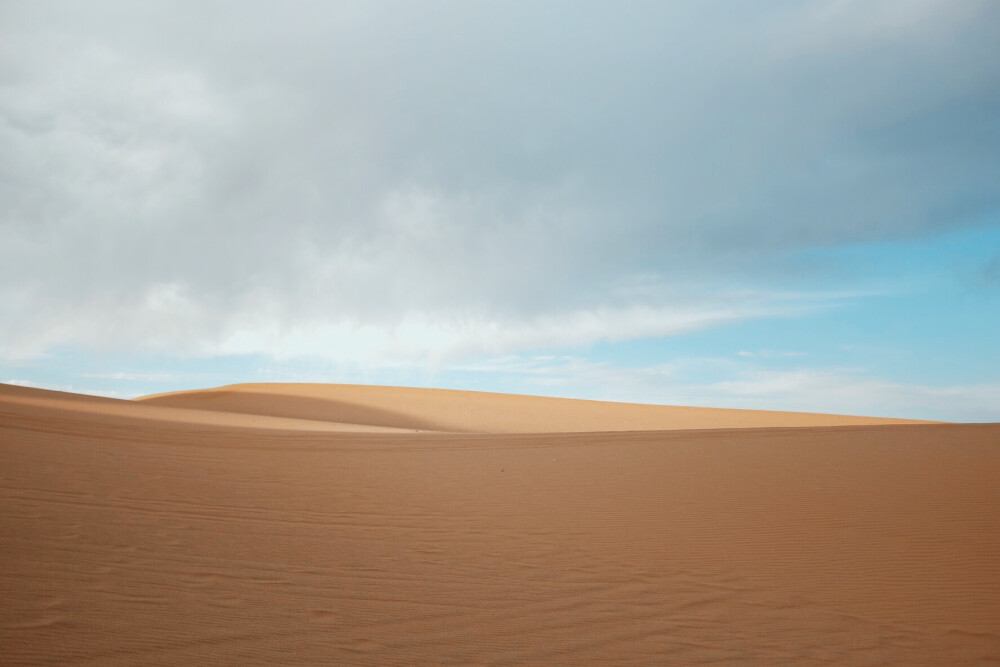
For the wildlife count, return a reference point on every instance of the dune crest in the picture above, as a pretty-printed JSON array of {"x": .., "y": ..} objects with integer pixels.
[
  {"x": 43, "y": 402},
  {"x": 477, "y": 412}
]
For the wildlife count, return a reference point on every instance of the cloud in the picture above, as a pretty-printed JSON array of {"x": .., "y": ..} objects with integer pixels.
[
  {"x": 769, "y": 354},
  {"x": 750, "y": 385},
  {"x": 213, "y": 178},
  {"x": 989, "y": 273},
  {"x": 133, "y": 377},
  {"x": 90, "y": 391},
  {"x": 446, "y": 339},
  {"x": 845, "y": 392}
]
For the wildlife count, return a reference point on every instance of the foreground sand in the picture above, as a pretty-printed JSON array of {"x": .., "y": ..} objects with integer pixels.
[{"x": 140, "y": 533}]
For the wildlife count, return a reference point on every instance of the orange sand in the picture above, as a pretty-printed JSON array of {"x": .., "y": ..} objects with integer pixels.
[
  {"x": 260, "y": 525},
  {"x": 476, "y": 412}
]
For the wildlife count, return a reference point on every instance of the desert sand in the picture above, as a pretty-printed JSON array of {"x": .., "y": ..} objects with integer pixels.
[
  {"x": 474, "y": 411},
  {"x": 335, "y": 524}
]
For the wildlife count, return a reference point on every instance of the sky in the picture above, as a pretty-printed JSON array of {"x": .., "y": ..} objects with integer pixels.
[{"x": 776, "y": 205}]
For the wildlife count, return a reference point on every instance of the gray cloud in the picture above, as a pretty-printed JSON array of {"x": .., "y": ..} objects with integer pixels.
[
  {"x": 183, "y": 174},
  {"x": 989, "y": 273}
]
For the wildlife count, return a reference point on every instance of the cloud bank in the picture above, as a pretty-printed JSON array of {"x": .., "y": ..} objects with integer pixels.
[{"x": 427, "y": 179}]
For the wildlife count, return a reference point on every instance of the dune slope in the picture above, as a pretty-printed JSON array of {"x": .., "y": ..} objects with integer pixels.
[
  {"x": 43, "y": 404},
  {"x": 136, "y": 541},
  {"x": 476, "y": 412}
]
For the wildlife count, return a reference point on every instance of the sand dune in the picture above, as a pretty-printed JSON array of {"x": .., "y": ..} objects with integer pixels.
[
  {"x": 43, "y": 403},
  {"x": 476, "y": 412},
  {"x": 132, "y": 532}
]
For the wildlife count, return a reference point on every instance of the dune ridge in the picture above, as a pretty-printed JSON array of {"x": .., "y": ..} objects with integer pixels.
[
  {"x": 27, "y": 400},
  {"x": 138, "y": 533},
  {"x": 477, "y": 412}
]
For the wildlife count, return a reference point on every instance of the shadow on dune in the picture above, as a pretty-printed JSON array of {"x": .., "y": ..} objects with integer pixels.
[{"x": 296, "y": 407}]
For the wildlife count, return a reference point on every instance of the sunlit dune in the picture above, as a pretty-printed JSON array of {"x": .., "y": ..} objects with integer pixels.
[
  {"x": 314, "y": 524},
  {"x": 42, "y": 403},
  {"x": 475, "y": 412}
]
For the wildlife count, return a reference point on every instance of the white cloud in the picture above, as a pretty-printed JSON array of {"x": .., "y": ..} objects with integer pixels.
[
  {"x": 72, "y": 389},
  {"x": 756, "y": 387},
  {"x": 420, "y": 338},
  {"x": 846, "y": 392},
  {"x": 133, "y": 377},
  {"x": 479, "y": 180},
  {"x": 769, "y": 354}
]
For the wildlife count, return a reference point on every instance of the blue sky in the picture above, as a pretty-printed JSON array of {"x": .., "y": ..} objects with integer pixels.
[{"x": 778, "y": 205}]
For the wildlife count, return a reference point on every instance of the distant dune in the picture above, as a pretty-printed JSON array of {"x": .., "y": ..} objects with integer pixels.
[
  {"x": 476, "y": 412},
  {"x": 93, "y": 408},
  {"x": 322, "y": 524}
]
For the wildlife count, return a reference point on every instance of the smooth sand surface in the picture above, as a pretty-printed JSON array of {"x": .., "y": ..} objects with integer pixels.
[
  {"x": 476, "y": 412},
  {"x": 139, "y": 538},
  {"x": 91, "y": 408}
]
